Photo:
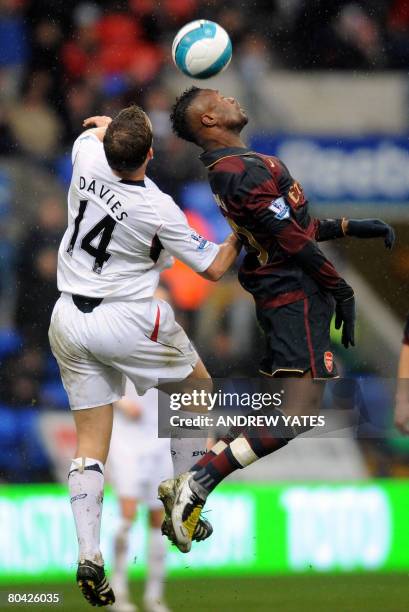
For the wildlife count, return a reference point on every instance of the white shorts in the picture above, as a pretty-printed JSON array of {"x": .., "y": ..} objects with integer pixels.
[
  {"x": 135, "y": 470},
  {"x": 96, "y": 350}
]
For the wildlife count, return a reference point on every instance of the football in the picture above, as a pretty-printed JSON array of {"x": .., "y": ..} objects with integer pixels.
[{"x": 202, "y": 49}]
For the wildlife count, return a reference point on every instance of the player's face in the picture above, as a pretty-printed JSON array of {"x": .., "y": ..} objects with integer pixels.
[{"x": 222, "y": 111}]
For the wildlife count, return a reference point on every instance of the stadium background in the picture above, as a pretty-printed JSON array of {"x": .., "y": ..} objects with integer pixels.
[{"x": 326, "y": 88}]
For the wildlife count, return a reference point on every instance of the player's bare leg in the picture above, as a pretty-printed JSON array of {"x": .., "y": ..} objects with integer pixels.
[
  {"x": 156, "y": 555},
  {"x": 153, "y": 599},
  {"x": 119, "y": 580},
  {"x": 193, "y": 487},
  {"x": 86, "y": 487},
  {"x": 185, "y": 451}
]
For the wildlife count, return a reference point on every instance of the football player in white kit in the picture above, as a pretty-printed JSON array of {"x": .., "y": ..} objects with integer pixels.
[
  {"x": 107, "y": 325},
  {"x": 135, "y": 443}
]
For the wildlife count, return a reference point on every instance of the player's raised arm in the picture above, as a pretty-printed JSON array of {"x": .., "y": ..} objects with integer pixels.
[
  {"x": 329, "y": 229},
  {"x": 371, "y": 228},
  {"x": 97, "y": 121},
  {"x": 96, "y": 125},
  {"x": 225, "y": 258},
  {"x": 208, "y": 259}
]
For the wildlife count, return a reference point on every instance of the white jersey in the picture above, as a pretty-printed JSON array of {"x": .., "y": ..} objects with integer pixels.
[{"x": 117, "y": 229}]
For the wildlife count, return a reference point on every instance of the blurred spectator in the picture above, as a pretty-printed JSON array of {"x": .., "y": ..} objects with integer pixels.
[
  {"x": 80, "y": 102},
  {"x": 36, "y": 274},
  {"x": 235, "y": 344},
  {"x": 340, "y": 34},
  {"x": 7, "y": 142},
  {"x": 46, "y": 42},
  {"x": 173, "y": 163},
  {"x": 78, "y": 50},
  {"x": 157, "y": 105},
  {"x": 22, "y": 456},
  {"x": 14, "y": 49},
  {"x": 235, "y": 22},
  {"x": 398, "y": 25},
  {"x": 34, "y": 123},
  {"x": 358, "y": 31}
]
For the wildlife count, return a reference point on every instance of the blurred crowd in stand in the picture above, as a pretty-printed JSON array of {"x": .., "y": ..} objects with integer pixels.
[{"x": 63, "y": 61}]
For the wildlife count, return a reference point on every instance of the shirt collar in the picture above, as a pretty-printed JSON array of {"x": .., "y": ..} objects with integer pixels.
[
  {"x": 211, "y": 157},
  {"x": 140, "y": 183}
]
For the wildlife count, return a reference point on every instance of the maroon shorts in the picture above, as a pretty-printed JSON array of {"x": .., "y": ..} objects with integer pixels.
[{"x": 298, "y": 338}]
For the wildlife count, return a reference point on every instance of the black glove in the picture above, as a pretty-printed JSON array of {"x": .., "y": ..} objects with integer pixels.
[
  {"x": 345, "y": 316},
  {"x": 372, "y": 228},
  {"x": 345, "y": 312}
]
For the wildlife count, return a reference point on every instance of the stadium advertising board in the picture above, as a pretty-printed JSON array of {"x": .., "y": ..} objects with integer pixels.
[
  {"x": 259, "y": 529},
  {"x": 341, "y": 169}
]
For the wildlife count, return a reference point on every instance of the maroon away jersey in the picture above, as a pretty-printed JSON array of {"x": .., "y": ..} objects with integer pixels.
[{"x": 267, "y": 208}]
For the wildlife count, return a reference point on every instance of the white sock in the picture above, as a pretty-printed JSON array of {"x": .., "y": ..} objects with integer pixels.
[
  {"x": 86, "y": 487},
  {"x": 156, "y": 556},
  {"x": 185, "y": 451},
  {"x": 120, "y": 561}
]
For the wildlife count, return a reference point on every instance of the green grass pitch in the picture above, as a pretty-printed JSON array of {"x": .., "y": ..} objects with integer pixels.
[{"x": 340, "y": 593}]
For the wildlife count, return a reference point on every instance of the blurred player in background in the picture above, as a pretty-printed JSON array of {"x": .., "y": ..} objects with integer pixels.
[
  {"x": 402, "y": 390},
  {"x": 107, "y": 325},
  {"x": 135, "y": 443},
  {"x": 294, "y": 285}
]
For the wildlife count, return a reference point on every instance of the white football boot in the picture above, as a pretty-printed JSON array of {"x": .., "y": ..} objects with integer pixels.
[
  {"x": 186, "y": 511},
  {"x": 166, "y": 493}
]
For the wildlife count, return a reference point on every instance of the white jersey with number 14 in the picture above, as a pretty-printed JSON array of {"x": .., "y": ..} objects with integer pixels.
[{"x": 120, "y": 233}]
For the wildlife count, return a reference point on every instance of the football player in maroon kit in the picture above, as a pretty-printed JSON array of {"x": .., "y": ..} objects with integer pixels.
[{"x": 295, "y": 287}]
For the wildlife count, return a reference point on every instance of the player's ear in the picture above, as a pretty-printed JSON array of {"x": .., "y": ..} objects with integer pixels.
[
  {"x": 208, "y": 120},
  {"x": 150, "y": 154}
]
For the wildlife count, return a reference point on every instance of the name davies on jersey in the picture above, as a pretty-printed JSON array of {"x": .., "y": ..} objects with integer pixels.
[{"x": 100, "y": 190}]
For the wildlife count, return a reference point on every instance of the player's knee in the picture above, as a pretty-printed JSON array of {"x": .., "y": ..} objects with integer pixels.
[
  {"x": 199, "y": 372},
  {"x": 155, "y": 518},
  {"x": 128, "y": 508},
  {"x": 199, "y": 384}
]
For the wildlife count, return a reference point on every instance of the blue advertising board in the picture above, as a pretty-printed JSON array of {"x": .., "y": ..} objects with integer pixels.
[{"x": 332, "y": 169}]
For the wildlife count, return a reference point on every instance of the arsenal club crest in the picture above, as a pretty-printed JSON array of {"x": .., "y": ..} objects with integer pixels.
[{"x": 329, "y": 361}]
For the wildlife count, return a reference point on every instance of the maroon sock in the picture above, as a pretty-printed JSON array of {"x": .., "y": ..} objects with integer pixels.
[
  {"x": 202, "y": 461},
  {"x": 220, "y": 466},
  {"x": 229, "y": 437}
]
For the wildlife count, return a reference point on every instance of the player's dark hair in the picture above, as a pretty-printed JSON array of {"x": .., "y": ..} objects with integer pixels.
[
  {"x": 128, "y": 139},
  {"x": 179, "y": 118}
]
